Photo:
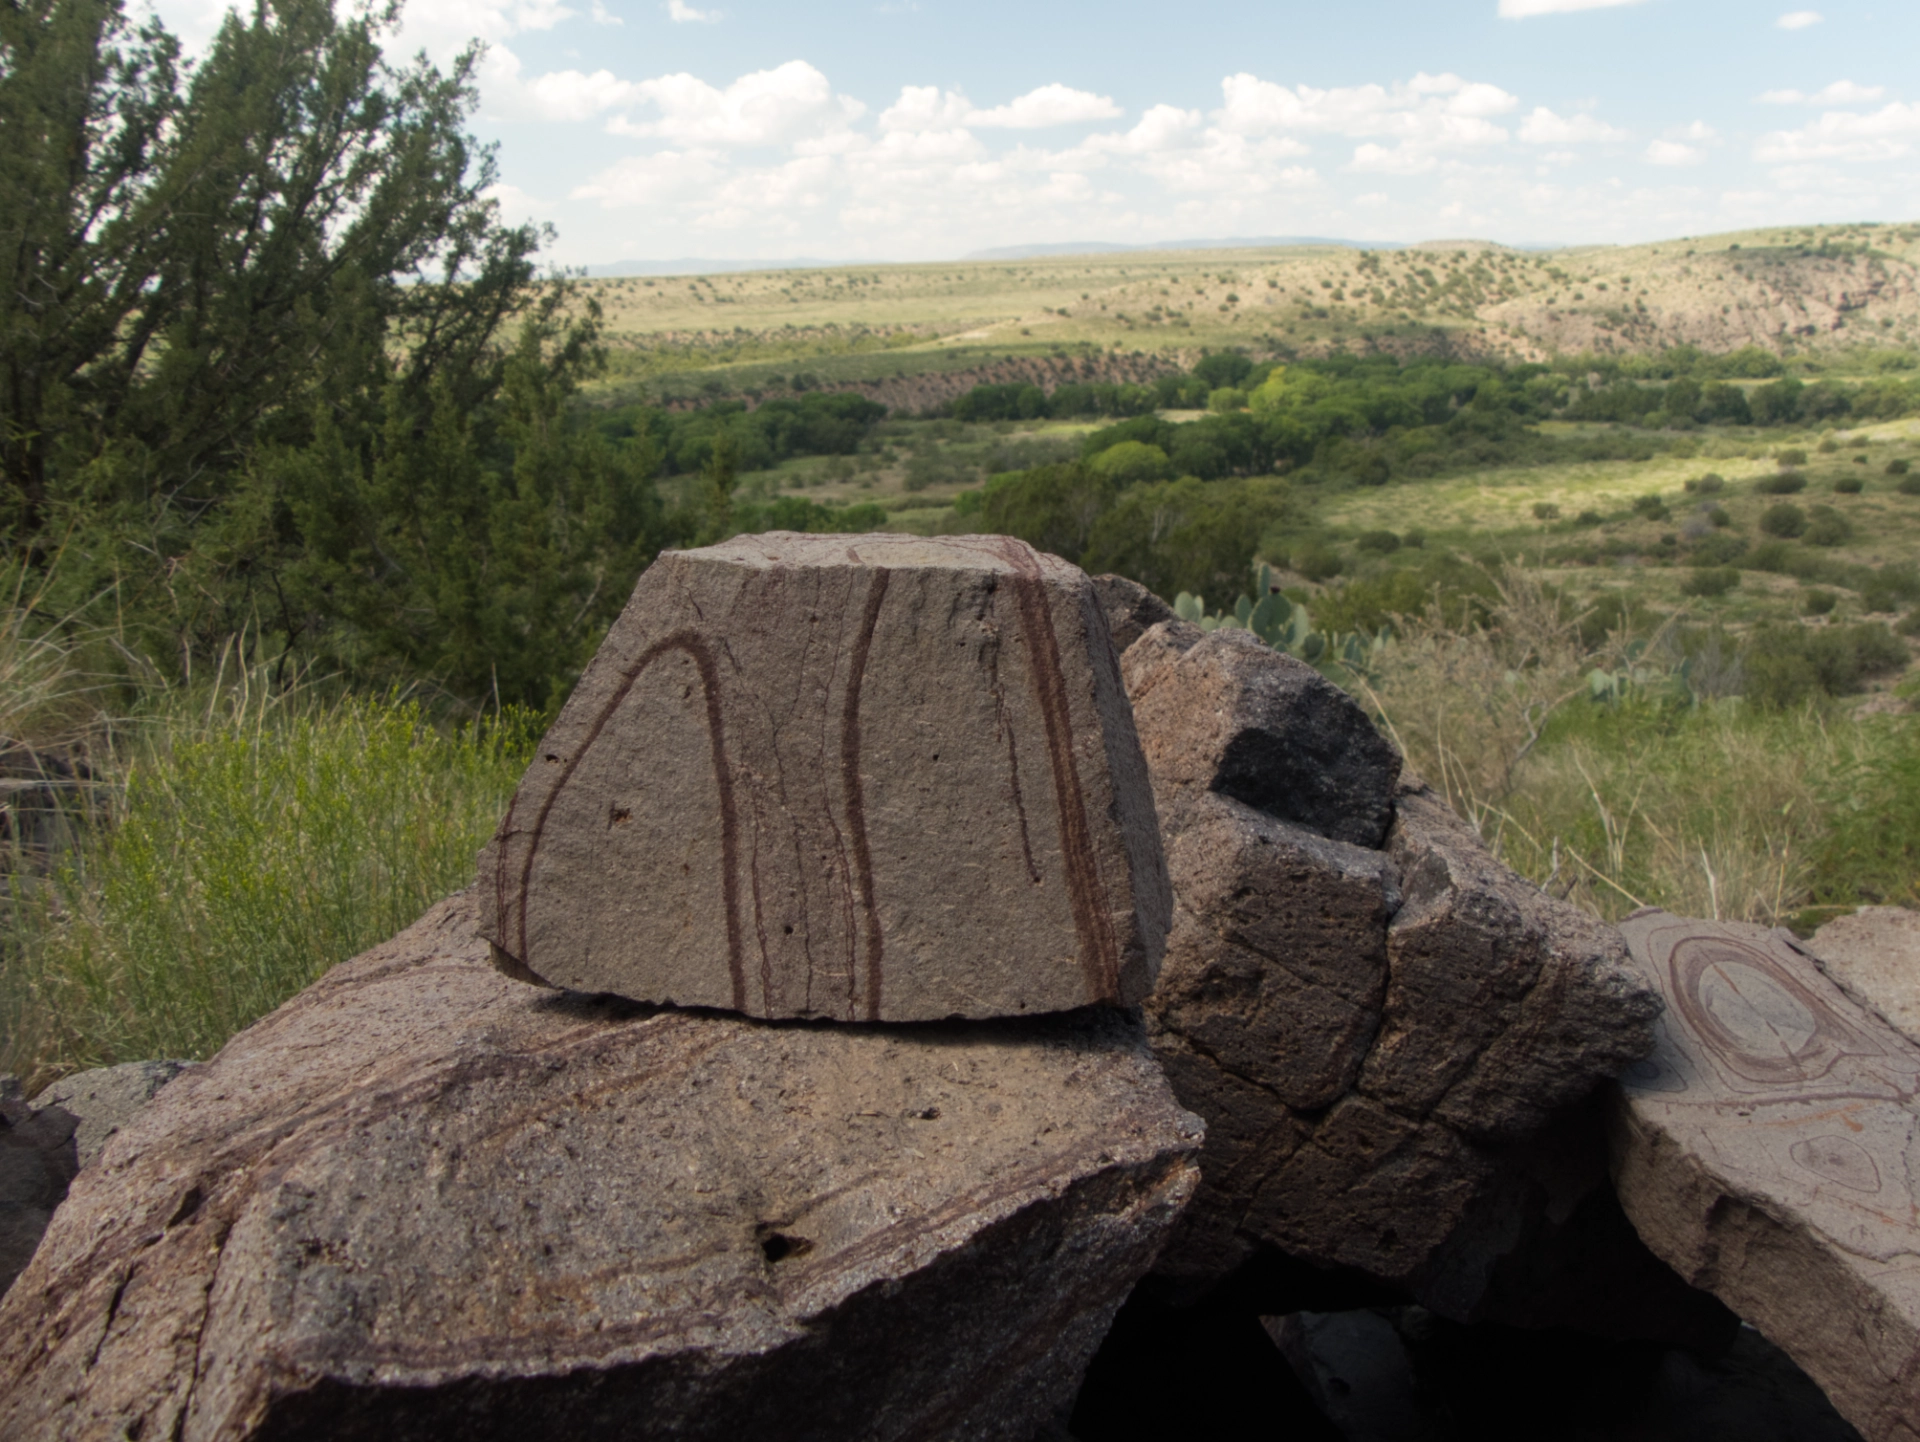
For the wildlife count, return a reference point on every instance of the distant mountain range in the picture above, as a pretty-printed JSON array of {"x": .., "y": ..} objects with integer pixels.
[
  {"x": 695, "y": 265},
  {"x": 704, "y": 265},
  {"x": 1104, "y": 247}
]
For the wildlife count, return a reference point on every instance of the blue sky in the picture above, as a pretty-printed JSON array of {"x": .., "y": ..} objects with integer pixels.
[{"x": 924, "y": 129}]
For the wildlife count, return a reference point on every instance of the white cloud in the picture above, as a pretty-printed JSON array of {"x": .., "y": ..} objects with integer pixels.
[
  {"x": 1841, "y": 92},
  {"x": 559, "y": 95},
  {"x": 763, "y": 108},
  {"x": 603, "y": 16},
  {"x": 1672, "y": 152},
  {"x": 681, "y": 13},
  {"x": 1526, "y": 9},
  {"x": 664, "y": 176},
  {"x": 1886, "y": 134},
  {"x": 1544, "y": 127},
  {"x": 1799, "y": 19},
  {"x": 1048, "y": 105},
  {"x": 926, "y": 107},
  {"x": 1433, "y": 109}
]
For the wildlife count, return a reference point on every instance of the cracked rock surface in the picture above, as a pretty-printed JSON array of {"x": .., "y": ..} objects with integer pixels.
[
  {"x": 486, "y": 1210},
  {"x": 866, "y": 778},
  {"x": 1378, "y": 1035}
]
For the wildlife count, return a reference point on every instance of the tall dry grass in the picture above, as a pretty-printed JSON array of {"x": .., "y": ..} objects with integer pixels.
[
  {"x": 229, "y": 842},
  {"x": 1708, "y": 808}
]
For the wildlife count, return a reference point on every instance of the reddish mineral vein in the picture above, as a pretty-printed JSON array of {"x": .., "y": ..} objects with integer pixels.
[
  {"x": 856, "y": 796},
  {"x": 696, "y": 649}
]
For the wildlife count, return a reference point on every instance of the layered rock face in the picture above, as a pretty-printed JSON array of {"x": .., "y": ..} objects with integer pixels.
[
  {"x": 869, "y": 778},
  {"x": 424, "y": 1200},
  {"x": 1375, "y": 1018},
  {"x": 1766, "y": 1151}
]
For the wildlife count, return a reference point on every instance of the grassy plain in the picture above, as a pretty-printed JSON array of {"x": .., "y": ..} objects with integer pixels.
[{"x": 1826, "y": 288}]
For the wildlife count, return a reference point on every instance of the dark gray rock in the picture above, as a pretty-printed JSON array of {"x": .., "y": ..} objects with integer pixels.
[
  {"x": 105, "y": 1099},
  {"x": 1131, "y": 609},
  {"x": 36, "y": 1165},
  {"x": 1229, "y": 714},
  {"x": 423, "y": 1200},
  {"x": 1386, "y": 1044}
]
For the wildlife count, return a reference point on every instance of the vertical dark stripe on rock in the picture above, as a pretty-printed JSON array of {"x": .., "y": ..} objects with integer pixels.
[
  {"x": 856, "y": 796},
  {"x": 1099, "y": 951},
  {"x": 697, "y": 649}
]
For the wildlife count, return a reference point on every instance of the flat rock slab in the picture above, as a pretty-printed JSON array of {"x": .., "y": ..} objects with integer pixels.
[
  {"x": 424, "y": 1201},
  {"x": 1768, "y": 1150},
  {"x": 868, "y": 778},
  {"x": 1875, "y": 956}
]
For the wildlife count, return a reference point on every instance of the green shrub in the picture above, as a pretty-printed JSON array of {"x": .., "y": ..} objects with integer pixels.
[
  {"x": 1710, "y": 581},
  {"x": 1897, "y": 467},
  {"x": 1786, "y": 665},
  {"x": 250, "y": 856},
  {"x": 1827, "y": 527},
  {"x": 1226, "y": 400},
  {"x": 1708, "y": 484},
  {"x": 1131, "y": 462},
  {"x": 1318, "y": 561},
  {"x": 1787, "y": 483},
  {"x": 1717, "y": 513},
  {"x": 1783, "y": 519},
  {"x": 1828, "y": 445},
  {"x": 1414, "y": 540},
  {"x": 1651, "y": 507},
  {"x": 1792, "y": 456},
  {"x": 1908, "y": 486},
  {"x": 1588, "y": 518},
  {"x": 1848, "y": 486},
  {"x": 1545, "y": 511},
  {"x": 1719, "y": 550},
  {"x": 1818, "y": 603},
  {"x": 1381, "y": 543}
]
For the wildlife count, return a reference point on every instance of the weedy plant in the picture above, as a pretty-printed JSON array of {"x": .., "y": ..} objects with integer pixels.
[{"x": 254, "y": 840}]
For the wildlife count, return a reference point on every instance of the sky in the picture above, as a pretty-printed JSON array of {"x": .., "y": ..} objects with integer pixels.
[{"x": 915, "y": 130}]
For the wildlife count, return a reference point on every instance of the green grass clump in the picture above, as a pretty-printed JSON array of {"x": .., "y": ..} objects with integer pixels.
[{"x": 249, "y": 854}]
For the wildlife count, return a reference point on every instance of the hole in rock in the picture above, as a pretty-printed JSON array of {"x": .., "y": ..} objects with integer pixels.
[{"x": 778, "y": 1246}]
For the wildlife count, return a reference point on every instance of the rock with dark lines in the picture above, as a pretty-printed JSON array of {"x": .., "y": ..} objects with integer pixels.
[
  {"x": 423, "y": 1201},
  {"x": 853, "y": 777}
]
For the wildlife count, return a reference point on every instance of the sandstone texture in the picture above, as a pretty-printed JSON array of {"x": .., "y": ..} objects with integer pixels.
[
  {"x": 423, "y": 1200},
  {"x": 1874, "y": 955},
  {"x": 1767, "y": 1149},
  {"x": 106, "y": 1098},
  {"x": 1377, "y": 1035},
  {"x": 1227, "y": 713},
  {"x": 865, "y": 778},
  {"x": 36, "y": 1164}
]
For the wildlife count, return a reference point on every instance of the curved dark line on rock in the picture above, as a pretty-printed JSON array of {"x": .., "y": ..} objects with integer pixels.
[
  {"x": 1099, "y": 949},
  {"x": 697, "y": 650},
  {"x": 856, "y": 797}
]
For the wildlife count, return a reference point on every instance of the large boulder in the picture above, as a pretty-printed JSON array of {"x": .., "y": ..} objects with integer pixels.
[
  {"x": 1377, "y": 1036},
  {"x": 1766, "y": 1151},
  {"x": 423, "y": 1200},
  {"x": 37, "y": 1163},
  {"x": 1224, "y": 712},
  {"x": 872, "y": 778}
]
